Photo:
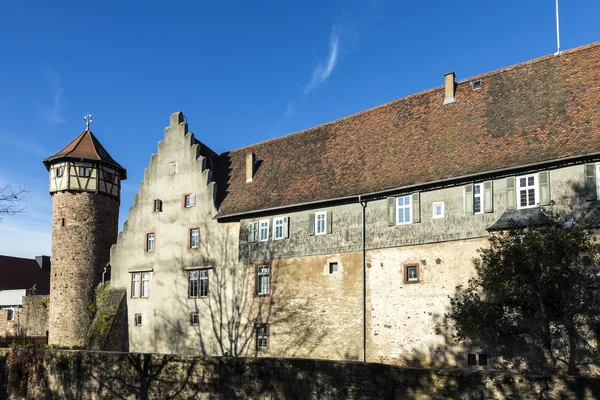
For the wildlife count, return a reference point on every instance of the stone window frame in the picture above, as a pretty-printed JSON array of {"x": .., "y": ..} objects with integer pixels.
[
  {"x": 257, "y": 293},
  {"x": 195, "y": 319},
  {"x": 337, "y": 267},
  {"x": 169, "y": 168},
  {"x": 262, "y": 333},
  {"x": 405, "y": 273},
  {"x": 198, "y": 280},
  {"x": 137, "y": 319},
  {"x": 184, "y": 200},
  {"x": 157, "y": 205},
  {"x": 190, "y": 238},
  {"x": 146, "y": 247}
]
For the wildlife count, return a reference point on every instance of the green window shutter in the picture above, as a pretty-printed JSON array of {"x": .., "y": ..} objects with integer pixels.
[
  {"x": 488, "y": 197},
  {"x": 251, "y": 236},
  {"x": 544, "y": 184},
  {"x": 286, "y": 224},
  {"x": 311, "y": 224},
  {"x": 329, "y": 222},
  {"x": 468, "y": 200},
  {"x": 590, "y": 181},
  {"x": 416, "y": 207},
  {"x": 391, "y": 208},
  {"x": 511, "y": 194}
]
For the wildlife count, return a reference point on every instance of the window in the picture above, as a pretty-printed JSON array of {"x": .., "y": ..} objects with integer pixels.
[
  {"x": 263, "y": 234},
  {"x": 194, "y": 238},
  {"x": 262, "y": 337},
  {"x": 195, "y": 319},
  {"x": 198, "y": 284},
  {"x": 138, "y": 319},
  {"x": 58, "y": 172},
  {"x": 11, "y": 314},
  {"x": 108, "y": 176},
  {"x": 157, "y": 205},
  {"x": 145, "y": 284},
  {"x": 403, "y": 211},
  {"x": 278, "y": 228},
  {"x": 411, "y": 273},
  {"x": 135, "y": 284},
  {"x": 527, "y": 192},
  {"x": 321, "y": 223},
  {"x": 189, "y": 200},
  {"x": 172, "y": 168},
  {"x": 333, "y": 267},
  {"x": 263, "y": 280},
  {"x": 150, "y": 242},
  {"x": 62, "y": 222},
  {"x": 478, "y": 198},
  {"x": 438, "y": 209},
  {"x": 85, "y": 171},
  {"x": 472, "y": 359}
]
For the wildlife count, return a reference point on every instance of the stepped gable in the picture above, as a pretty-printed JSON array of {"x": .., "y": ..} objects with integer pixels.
[
  {"x": 86, "y": 146},
  {"x": 541, "y": 110}
]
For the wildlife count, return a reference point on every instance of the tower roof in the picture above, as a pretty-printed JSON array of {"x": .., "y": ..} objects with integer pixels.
[{"x": 87, "y": 147}]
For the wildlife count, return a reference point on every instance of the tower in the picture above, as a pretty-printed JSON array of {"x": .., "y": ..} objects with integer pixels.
[{"x": 85, "y": 184}]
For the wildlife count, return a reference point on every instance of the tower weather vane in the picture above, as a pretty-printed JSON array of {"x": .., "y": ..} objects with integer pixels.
[{"x": 88, "y": 120}]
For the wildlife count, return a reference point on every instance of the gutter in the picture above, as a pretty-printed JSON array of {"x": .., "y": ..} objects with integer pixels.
[
  {"x": 502, "y": 172},
  {"x": 364, "y": 279}
]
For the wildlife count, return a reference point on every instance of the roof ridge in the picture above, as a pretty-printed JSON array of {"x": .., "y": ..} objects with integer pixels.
[
  {"x": 425, "y": 92},
  {"x": 95, "y": 142}
]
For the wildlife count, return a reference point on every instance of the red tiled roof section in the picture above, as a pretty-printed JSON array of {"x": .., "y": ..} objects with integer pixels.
[
  {"x": 541, "y": 110},
  {"x": 85, "y": 146},
  {"x": 22, "y": 273}
]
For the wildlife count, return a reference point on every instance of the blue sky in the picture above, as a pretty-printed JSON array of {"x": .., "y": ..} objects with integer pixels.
[{"x": 242, "y": 72}]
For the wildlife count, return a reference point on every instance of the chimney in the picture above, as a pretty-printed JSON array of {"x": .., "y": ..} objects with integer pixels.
[
  {"x": 449, "y": 87},
  {"x": 250, "y": 165},
  {"x": 43, "y": 261}
]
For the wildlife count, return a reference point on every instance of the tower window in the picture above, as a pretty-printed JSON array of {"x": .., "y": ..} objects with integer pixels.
[
  {"x": 85, "y": 171},
  {"x": 62, "y": 222},
  {"x": 150, "y": 242},
  {"x": 157, "y": 205},
  {"x": 189, "y": 200},
  {"x": 58, "y": 172}
]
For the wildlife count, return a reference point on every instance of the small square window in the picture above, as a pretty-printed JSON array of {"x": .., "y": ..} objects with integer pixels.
[
  {"x": 85, "y": 171},
  {"x": 157, "y": 205},
  {"x": 471, "y": 359},
  {"x": 411, "y": 273},
  {"x": 150, "y": 242},
  {"x": 138, "y": 319},
  {"x": 172, "y": 168},
  {"x": 438, "y": 209},
  {"x": 194, "y": 238},
  {"x": 333, "y": 267},
  {"x": 58, "y": 172},
  {"x": 195, "y": 319},
  {"x": 189, "y": 200},
  {"x": 262, "y": 337}
]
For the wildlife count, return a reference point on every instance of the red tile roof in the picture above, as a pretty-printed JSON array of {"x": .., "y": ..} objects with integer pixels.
[
  {"x": 541, "y": 110},
  {"x": 23, "y": 273},
  {"x": 87, "y": 147}
]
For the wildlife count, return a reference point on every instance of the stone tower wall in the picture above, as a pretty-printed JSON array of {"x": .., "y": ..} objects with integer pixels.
[{"x": 80, "y": 251}]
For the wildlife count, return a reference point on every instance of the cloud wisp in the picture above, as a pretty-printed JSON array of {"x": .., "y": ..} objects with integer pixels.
[
  {"x": 53, "y": 112},
  {"x": 322, "y": 71}
]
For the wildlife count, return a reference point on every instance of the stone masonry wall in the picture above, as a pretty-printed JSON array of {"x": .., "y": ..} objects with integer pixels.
[
  {"x": 9, "y": 328},
  {"x": 35, "y": 315},
  {"x": 27, "y": 373},
  {"x": 80, "y": 251}
]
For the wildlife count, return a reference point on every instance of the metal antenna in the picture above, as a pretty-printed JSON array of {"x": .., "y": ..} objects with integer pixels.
[
  {"x": 558, "y": 52},
  {"x": 88, "y": 120}
]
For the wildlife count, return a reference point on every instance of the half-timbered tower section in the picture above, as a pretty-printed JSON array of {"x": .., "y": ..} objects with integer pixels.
[{"x": 85, "y": 188}]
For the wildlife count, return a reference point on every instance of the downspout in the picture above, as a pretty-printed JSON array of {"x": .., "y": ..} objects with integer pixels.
[
  {"x": 364, "y": 279},
  {"x": 103, "y": 272}
]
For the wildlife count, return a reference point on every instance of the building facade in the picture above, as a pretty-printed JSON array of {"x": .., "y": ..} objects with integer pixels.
[{"x": 345, "y": 241}]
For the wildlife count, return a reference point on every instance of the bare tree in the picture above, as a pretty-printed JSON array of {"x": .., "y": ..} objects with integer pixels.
[{"x": 10, "y": 200}]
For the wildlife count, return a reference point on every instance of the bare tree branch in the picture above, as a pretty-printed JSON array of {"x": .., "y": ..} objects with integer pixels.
[{"x": 10, "y": 200}]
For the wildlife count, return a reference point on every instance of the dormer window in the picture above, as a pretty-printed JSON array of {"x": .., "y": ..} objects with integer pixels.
[{"x": 85, "y": 171}]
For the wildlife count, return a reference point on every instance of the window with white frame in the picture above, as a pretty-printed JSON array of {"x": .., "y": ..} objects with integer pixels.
[
  {"x": 135, "y": 284},
  {"x": 194, "y": 238},
  {"x": 262, "y": 337},
  {"x": 598, "y": 181},
  {"x": 198, "y": 283},
  {"x": 58, "y": 172},
  {"x": 278, "y": 228},
  {"x": 85, "y": 171},
  {"x": 527, "y": 191},
  {"x": 478, "y": 198},
  {"x": 263, "y": 280},
  {"x": 189, "y": 200},
  {"x": 203, "y": 292},
  {"x": 145, "y": 292},
  {"x": 11, "y": 314},
  {"x": 321, "y": 223},
  {"x": 172, "y": 168},
  {"x": 263, "y": 234},
  {"x": 150, "y": 242},
  {"x": 438, "y": 209},
  {"x": 403, "y": 210}
]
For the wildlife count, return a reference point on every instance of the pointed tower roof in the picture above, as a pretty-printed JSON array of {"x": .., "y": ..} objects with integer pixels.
[{"x": 85, "y": 147}]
